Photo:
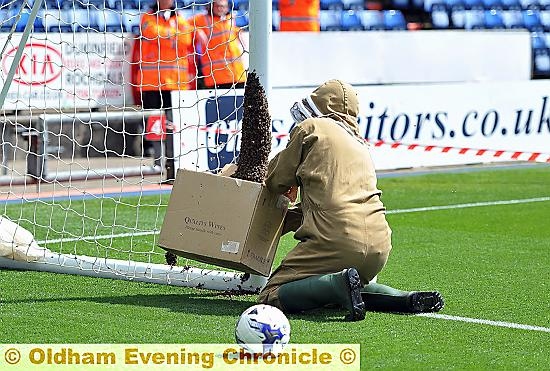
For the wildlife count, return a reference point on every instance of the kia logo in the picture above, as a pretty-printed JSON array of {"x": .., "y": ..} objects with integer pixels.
[{"x": 40, "y": 64}]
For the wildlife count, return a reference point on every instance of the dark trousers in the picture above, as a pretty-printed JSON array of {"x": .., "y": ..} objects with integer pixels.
[{"x": 162, "y": 99}]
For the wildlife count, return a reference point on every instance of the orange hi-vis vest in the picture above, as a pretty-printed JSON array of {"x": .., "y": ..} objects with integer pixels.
[
  {"x": 299, "y": 15},
  {"x": 220, "y": 61},
  {"x": 165, "y": 50}
]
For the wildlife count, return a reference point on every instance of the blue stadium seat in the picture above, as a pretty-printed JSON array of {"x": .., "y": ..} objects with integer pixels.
[
  {"x": 493, "y": 19},
  {"x": 131, "y": 20},
  {"x": 417, "y": 4},
  {"x": 394, "y": 20},
  {"x": 53, "y": 4},
  {"x": 547, "y": 38},
  {"x": 330, "y": 20},
  {"x": 542, "y": 62},
  {"x": 22, "y": 21},
  {"x": 512, "y": 19},
  {"x": 529, "y": 4},
  {"x": 331, "y": 4},
  {"x": 372, "y": 20},
  {"x": 531, "y": 20},
  {"x": 95, "y": 4},
  {"x": 351, "y": 21},
  {"x": 440, "y": 17},
  {"x": 137, "y": 4},
  {"x": 59, "y": 20},
  {"x": 116, "y": 4},
  {"x": 276, "y": 20},
  {"x": 473, "y": 4},
  {"x": 429, "y": 4},
  {"x": 38, "y": 25},
  {"x": 454, "y": 4},
  {"x": 474, "y": 19},
  {"x": 353, "y": 4},
  {"x": 7, "y": 18},
  {"x": 458, "y": 18},
  {"x": 75, "y": 4},
  {"x": 538, "y": 41},
  {"x": 511, "y": 4},
  {"x": 240, "y": 5},
  {"x": 400, "y": 4},
  {"x": 544, "y": 4},
  {"x": 241, "y": 18},
  {"x": 492, "y": 4},
  {"x": 545, "y": 20},
  {"x": 85, "y": 20},
  {"x": 110, "y": 21}
]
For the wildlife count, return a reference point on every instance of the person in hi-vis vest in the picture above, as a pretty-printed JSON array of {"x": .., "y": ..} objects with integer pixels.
[
  {"x": 221, "y": 64},
  {"x": 166, "y": 52},
  {"x": 299, "y": 15},
  {"x": 340, "y": 223}
]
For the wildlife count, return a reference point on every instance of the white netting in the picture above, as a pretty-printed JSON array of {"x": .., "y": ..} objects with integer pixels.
[{"x": 76, "y": 170}]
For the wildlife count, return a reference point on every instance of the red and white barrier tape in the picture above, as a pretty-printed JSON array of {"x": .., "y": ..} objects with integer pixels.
[{"x": 499, "y": 154}]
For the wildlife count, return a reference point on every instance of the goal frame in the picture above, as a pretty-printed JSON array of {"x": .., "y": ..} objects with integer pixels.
[{"x": 260, "y": 28}]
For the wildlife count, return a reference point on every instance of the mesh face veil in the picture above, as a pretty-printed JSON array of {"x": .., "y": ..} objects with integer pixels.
[{"x": 304, "y": 109}]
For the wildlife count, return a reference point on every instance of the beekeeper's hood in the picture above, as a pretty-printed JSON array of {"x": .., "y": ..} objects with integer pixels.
[{"x": 335, "y": 99}]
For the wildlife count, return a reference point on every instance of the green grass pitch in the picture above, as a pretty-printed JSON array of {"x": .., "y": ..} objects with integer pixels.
[{"x": 490, "y": 262}]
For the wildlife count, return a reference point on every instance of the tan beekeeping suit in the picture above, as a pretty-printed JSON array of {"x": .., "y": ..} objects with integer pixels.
[{"x": 344, "y": 222}]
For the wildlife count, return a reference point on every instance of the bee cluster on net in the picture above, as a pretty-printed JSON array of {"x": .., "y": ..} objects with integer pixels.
[{"x": 255, "y": 134}]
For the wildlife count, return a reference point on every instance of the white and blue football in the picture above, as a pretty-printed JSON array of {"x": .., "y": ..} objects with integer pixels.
[{"x": 262, "y": 329}]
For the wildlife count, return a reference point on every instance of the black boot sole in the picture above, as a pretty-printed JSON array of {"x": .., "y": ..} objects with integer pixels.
[
  {"x": 425, "y": 302},
  {"x": 357, "y": 311}
]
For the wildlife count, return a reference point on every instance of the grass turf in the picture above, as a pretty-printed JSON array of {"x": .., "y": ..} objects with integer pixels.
[{"x": 490, "y": 262}]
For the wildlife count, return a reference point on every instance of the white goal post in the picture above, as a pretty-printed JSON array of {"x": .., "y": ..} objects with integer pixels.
[{"x": 70, "y": 174}]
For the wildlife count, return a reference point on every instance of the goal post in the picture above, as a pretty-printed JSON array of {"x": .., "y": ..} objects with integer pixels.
[{"x": 98, "y": 204}]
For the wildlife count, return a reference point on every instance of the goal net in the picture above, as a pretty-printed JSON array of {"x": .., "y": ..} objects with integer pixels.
[{"x": 86, "y": 148}]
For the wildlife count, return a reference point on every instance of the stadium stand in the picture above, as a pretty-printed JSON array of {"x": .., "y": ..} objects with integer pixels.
[{"x": 336, "y": 15}]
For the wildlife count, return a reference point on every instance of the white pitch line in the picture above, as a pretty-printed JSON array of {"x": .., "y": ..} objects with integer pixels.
[
  {"x": 485, "y": 322},
  {"x": 101, "y": 237},
  {"x": 464, "y": 206},
  {"x": 397, "y": 211}
]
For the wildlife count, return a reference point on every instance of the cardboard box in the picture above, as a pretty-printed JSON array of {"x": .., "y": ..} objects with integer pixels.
[{"x": 223, "y": 221}]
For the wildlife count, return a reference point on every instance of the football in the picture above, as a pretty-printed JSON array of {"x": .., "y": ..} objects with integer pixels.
[{"x": 262, "y": 329}]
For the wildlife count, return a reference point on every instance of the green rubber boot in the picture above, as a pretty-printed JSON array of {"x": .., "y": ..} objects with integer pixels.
[
  {"x": 382, "y": 298},
  {"x": 341, "y": 288}
]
